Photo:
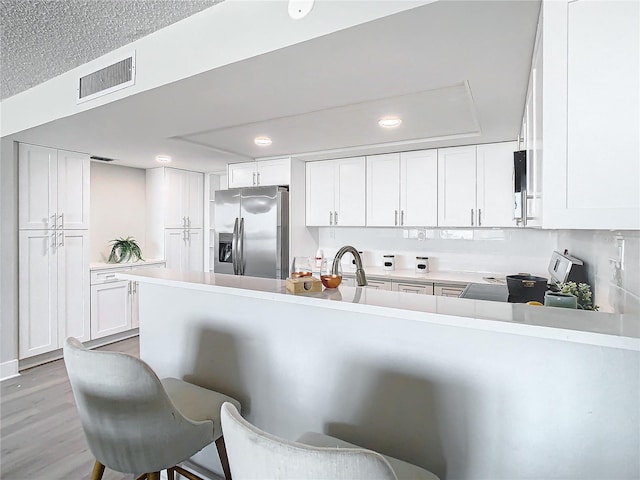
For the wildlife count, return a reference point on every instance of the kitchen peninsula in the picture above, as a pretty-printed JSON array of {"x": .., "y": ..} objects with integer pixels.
[{"x": 465, "y": 388}]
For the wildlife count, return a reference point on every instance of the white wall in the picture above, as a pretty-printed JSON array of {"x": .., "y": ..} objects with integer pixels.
[
  {"x": 613, "y": 266},
  {"x": 8, "y": 252},
  {"x": 118, "y": 207}
]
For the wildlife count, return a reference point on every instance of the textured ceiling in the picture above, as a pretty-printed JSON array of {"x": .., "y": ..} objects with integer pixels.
[{"x": 41, "y": 39}]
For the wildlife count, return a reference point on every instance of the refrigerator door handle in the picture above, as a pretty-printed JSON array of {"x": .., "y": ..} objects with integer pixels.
[
  {"x": 241, "y": 247},
  {"x": 234, "y": 247}
]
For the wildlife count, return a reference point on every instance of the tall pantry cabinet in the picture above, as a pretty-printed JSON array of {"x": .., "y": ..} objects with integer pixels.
[
  {"x": 175, "y": 215},
  {"x": 53, "y": 222}
]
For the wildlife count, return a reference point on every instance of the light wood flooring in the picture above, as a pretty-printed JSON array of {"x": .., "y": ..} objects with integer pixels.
[{"x": 40, "y": 432}]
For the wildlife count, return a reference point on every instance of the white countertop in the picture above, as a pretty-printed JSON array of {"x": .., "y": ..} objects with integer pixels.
[
  {"x": 105, "y": 265},
  {"x": 595, "y": 328}
]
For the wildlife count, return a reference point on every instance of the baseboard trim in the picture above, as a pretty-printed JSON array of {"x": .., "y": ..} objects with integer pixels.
[
  {"x": 9, "y": 369},
  {"x": 43, "y": 358}
]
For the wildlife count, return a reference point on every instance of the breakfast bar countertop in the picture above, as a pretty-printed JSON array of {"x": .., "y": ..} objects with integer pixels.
[{"x": 595, "y": 328}]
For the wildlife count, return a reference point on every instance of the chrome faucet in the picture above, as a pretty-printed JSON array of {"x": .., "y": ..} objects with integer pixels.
[{"x": 361, "y": 278}]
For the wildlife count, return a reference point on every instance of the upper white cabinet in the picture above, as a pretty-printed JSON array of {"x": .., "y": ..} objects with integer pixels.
[
  {"x": 54, "y": 289},
  {"x": 335, "y": 192},
  {"x": 184, "y": 198},
  {"x": 402, "y": 189},
  {"x": 457, "y": 187},
  {"x": 262, "y": 172},
  {"x": 53, "y": 188},
  {"x": 494, "y": 184},
  {"x": 475, "y": 186},
  {"x": 591, "y": 110}
]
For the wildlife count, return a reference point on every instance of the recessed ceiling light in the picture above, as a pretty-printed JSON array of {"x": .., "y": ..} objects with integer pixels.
[
  {"x": 262, "y": 141},
  {"x": 163, "y": 158},
  {"x": 300, "y": 8},
  {"x": 389, "y": 122}
]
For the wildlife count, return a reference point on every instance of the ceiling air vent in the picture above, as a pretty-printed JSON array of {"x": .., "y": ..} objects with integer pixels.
[
  {"x": 101, "y": 159},
  {"x": 108, "y": 79}
]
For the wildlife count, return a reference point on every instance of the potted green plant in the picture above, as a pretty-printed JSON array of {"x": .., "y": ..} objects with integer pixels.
[
  {"x": 582, "y": 291},
  {"x": 124, "y": 250}
]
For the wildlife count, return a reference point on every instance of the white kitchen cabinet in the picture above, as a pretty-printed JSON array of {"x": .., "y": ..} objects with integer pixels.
[
  {"x": 475, "y": 186},
  {"x": 378, "y": 284},
  {"x": 591, "y": 114},
  {"x": 110, "y": 308},
  {"x": 402, "y": 189},
  {"x": 184, "y": 249},
  {"x": 175, "y": 217},
  {"x": 259, "y": 173},
  {"x": 335, "y": 192},
  {"x": 53, "y": 188},
  {"x": 531, "y": 138},
  {"x": 413, "y": 287},
  {"x": 115, "y": 303},
  {"x": 184, "y": 194},
  {"x": 494, "y": 184},
  {"x": 53, "y": 289},
  {"x": 448, "y": 289},
  {"x": 457, "y": 187}
]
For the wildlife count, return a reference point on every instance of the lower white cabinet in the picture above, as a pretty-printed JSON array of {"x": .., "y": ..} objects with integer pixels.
[
  {"x": 110, "y": 308},
  {"x": 449, "y": 289},
  {"x": 114, "y": 303},
  {"x": 53, "y": 289},
  {"x": 410, "y": 287},
  {"x": 184, "y": 249}
]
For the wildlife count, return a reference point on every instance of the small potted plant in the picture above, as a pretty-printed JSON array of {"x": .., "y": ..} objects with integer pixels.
[
  {"x": 124, "y": 250},
  {"x": 582, "y": 291}
]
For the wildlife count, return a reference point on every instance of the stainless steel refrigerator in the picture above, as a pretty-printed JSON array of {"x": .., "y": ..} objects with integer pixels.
[{"x": 252, "y": 232}]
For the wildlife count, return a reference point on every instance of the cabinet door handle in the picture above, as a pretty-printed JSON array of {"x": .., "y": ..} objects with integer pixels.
[
  {"x": 258, "y": 178},
  {"x": 335, "y": 217},
  {"x": 61, "y": 244},
  {"x": 54, "y": 239},
  {"x": 472, "y": 217},
  {"x": 62, "y": 220},
  {"x": 254, "y": 179},
  {"x": 330, "y": 218},
  {"x": 184, "y": 222},
  {"x": 396, "y": 218},
  {"x": 54, "y": 219},
  {"x": 401, "y": 217},
  {"x": 479, "y": 217},
  {"x": 188, "y": 222}
]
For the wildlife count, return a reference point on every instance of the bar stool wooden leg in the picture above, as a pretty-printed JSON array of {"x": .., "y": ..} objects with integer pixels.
[
  {"x": 222, "y": 453},
  {"x": 98, "y": 471},
  {"x": 171, "y": 473},
  {"x": 154, "y": 476},
  {"x": 142, "y": 477}
]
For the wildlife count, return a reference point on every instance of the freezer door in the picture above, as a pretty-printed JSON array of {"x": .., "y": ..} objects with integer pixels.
[
  {"x": 227, "y": 212},
  {"x": 263, "y": 243}
]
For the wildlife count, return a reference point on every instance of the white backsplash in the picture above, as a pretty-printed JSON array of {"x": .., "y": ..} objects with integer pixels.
[
  {"x": 612, "y": 258},
  {"x": 613, "y": 266}
]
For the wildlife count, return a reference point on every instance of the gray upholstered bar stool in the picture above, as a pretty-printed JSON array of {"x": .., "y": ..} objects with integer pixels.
[
  {"x": 136, "y": 423},
  {"x": 255, "y": 454}
]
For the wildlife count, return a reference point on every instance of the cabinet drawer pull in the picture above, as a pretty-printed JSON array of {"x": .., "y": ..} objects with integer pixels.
[
  {"x": 401, "y": 217},
  {"x": 335, "y": 217},
  {"x": 395, "y": 222},
  {"x": 330, "y": 218},
  {"x": 479, "y": 217},
  {"x": 472, "y": 217}
]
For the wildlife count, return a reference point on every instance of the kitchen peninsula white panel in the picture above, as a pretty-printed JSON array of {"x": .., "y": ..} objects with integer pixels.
[{"x": 398, "y": 366}]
